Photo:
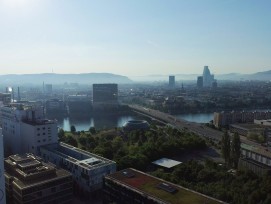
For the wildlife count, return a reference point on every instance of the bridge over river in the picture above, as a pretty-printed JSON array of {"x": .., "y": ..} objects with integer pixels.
[{"x": 196, "y": 128}]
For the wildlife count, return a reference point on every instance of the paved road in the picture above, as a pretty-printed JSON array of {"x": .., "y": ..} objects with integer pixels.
[{"x": 196, "y": 128}]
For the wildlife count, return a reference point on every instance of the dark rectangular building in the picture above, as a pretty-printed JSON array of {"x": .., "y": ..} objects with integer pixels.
[{"x": 105, "y": 96}]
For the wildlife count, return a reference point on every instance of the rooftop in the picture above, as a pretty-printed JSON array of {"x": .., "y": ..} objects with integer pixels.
[
  {"x": 159, "y": 189},
  {"x": 78, "y": 156},
  {"x": 29, "y": 170},
  {"x": 167, "y": 163},
  {"x": 256, "y": 148}
]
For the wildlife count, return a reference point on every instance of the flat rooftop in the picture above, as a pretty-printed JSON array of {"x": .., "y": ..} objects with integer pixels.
[
  {"x": 29, "y": 170},
  {"x": 159, "y": 189},
  {"x": 257, "y": 149},
  {"x": 167, "y": 163},
  {"x": 78, "y": 156}
]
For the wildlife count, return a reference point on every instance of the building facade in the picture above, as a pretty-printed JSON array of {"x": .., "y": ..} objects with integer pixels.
[
  {"x": 208, "y": 78},
  {"x": 88, "y": 169},
  {"x": 105, "y": 96},
  {"x": 29, "y": 180},
  {"x": 200, "y": 82},
  {"x": 171, "y": 81},
  {"x": 2, "y": 170},
  {"x": 255, "y": 158},
  {"x": 25, "y": 129},
  {"x": 226, "y": 118}
]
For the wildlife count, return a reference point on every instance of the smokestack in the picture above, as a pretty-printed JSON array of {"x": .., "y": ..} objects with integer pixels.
[
  {"x": 19, "y": 95},
  {"x": 12, "y": 94}
]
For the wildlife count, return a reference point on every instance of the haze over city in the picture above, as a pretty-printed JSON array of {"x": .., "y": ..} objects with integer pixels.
[{"x": 134, "y": 38}]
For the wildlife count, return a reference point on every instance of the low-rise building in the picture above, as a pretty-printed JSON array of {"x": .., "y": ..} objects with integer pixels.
[
  {"x": 25, "y": 129},
  {"x": 132, "y": 186},
  {"x": 88, "y": 169},
  {"x": 29, "y": 180},
  {"x": 255, "y": 158}
]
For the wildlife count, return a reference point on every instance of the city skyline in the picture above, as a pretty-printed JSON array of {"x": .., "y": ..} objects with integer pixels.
[{"x": 134, "y": 38}]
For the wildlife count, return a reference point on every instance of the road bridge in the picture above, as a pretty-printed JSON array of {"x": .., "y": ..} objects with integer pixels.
[{"x": 196, "y": 128}]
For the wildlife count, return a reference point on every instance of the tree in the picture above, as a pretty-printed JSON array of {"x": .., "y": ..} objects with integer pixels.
[
  {"x": 61, "y": 134},
  {"x": 92, "y": 130},
  {"x": 73, "y": 129},
  {"x": 235, "y": 149},
  {"x": 71, "y": 141},
  {"x": 225, "y": 148}
]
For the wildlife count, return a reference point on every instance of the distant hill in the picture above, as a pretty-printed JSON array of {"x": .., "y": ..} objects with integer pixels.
[
  {"x": 261, "y": 76},
  {"x": 86, "y": 78}
]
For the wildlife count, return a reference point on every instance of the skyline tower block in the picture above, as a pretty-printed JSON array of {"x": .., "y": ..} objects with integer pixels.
[{"x": 171, "y": 81}]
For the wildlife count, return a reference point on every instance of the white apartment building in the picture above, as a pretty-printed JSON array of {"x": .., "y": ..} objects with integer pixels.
[
  {"x": 25, "y": 129},
  {"x": 2, "y": 170},
  {"x": 88, "y": 169}
]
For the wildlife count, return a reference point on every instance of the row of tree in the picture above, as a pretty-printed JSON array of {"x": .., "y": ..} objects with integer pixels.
[
  {"x": 214, "y": 180},
  {"x": 136, "y": 149},
  {"x": 231, "y": 149}
]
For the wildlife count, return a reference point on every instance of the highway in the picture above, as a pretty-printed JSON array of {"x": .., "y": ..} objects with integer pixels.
[{"x": 196, "y": 128}]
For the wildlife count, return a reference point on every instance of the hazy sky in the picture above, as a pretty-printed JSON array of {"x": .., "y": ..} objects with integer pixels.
[{"x": 135, "y": 37}]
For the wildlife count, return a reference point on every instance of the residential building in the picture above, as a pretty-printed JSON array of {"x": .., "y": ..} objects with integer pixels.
[
  {"x": 30, "y": 180},
  {"x": 105, "y": 96},
  {"x": 133, "y": 186},
  {"x": 255, "y": 158},
  {"x": 2, "y": 170},
  {"x": 226, "y": 118},
  {"x": 88, "y": 169},
  {"x": 25, "y": 129}
]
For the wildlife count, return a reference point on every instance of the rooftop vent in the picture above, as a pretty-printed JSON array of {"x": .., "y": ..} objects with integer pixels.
[
  {"x": 128, "y": 174},
  {"x": 168, "y": 188}
]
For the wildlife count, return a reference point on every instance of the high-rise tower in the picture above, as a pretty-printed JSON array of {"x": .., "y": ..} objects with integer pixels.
[{"x": 208, "y": 79}]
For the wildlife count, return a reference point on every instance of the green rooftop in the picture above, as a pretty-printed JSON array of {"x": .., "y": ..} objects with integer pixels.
[{"x": 149, "y": 185}]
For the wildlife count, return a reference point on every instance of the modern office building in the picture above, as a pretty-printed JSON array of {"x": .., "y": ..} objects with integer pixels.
[
  {"x": 30, "y": 180},
  {"x": 2, "y": 170},
  {"x": 105, "y": 96},
  {"x": 25, "y": 129},
  {"x": 132, "y": 186},
  {"x": 200, "y": 82},
  {"x": 88, "y": 170},
  {"x": 208, "y": 78},
  {"x": 171, "y": 81}
]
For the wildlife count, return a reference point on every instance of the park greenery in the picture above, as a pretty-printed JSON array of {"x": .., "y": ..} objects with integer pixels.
[
  {"x": 216, "y": 181},
  {"x": 230, "y": 149},
  {"x": 136, "y": 149}
]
